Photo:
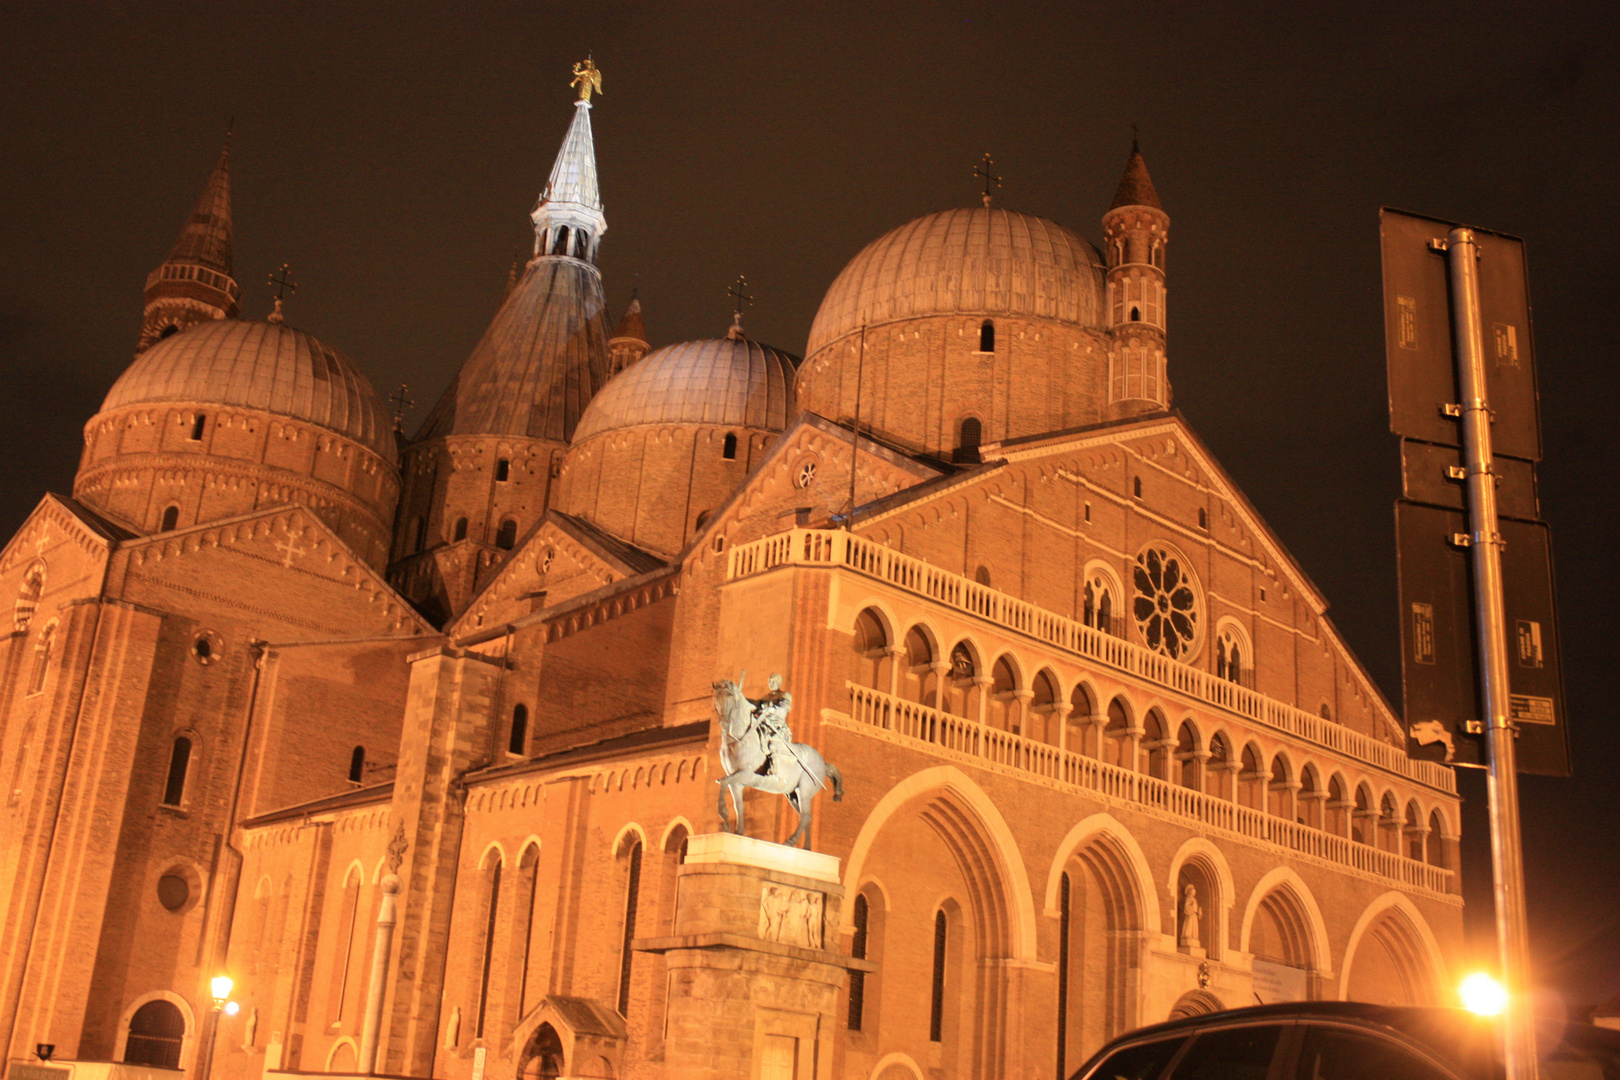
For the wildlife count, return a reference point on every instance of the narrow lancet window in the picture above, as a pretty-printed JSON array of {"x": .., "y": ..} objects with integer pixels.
[
  {"x": 729, "y": 449},
  {"x": 987, "y": 336},
  {"x": 357, "y": 764},
  {"x": 936, "y": 1006},
  {"x": 517, "y": 741},
  {"x": 179, "y": 761}
]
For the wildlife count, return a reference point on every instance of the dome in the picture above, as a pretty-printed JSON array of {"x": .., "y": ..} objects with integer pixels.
[
  {"x": 259, "y": 365},
  {"x": 728, "y": 382},
  {"x": 965, "y": 261}
]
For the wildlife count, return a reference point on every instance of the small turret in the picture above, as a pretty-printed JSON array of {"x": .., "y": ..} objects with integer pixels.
[
  {"x": 568, "y": 219},
  {"x": 629, "y": 341},
  {"x": 194, "y": 284},
  {"x": 1135, "y": 232}
]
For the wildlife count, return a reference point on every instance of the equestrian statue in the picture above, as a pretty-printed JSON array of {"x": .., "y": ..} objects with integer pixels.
[{"x": 757, "y": 751}]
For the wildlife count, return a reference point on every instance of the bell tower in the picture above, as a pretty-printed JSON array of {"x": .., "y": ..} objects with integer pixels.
[
  {"x": 1136, "y": 231},
  {"x": 194, "y": 284}
]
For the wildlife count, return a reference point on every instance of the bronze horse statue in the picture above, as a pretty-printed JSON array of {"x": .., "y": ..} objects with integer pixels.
[{"x": 752, "y": 760}]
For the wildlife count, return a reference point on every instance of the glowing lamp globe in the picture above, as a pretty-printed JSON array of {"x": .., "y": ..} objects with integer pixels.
[
  {"x": 1483, "y": 995},
  {"x": 220, "y": 987}
]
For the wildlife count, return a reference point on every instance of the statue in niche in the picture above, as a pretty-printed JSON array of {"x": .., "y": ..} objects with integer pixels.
[
  {"x": 757, "y": 751},
  {"x": 250, "y": 1029},
  {"x": 452, "y": 1029},
  {"x": 1191, "y": 913}
]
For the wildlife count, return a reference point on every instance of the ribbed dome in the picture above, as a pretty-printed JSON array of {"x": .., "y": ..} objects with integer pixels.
[
  {"x": 722, "y": 381},
  {"x": 259, "y": 365},
  {"x": 970, "y": 261}
]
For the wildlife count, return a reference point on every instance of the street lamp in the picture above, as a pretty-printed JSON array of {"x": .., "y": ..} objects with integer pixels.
[
  {"x": 219, "y": 988},
  {"x": 1483, "y": 995}
]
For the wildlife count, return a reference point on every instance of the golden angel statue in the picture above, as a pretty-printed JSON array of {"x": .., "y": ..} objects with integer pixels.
[{"x": 588, "y": 79}]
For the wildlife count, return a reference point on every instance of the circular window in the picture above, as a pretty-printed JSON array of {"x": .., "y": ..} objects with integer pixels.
[
  {"x": 174, "y": 891},
  {"x": 1167, "y": 608},
  {"x": 806, "y": 473},
  {"x": 206, "y": 646}
]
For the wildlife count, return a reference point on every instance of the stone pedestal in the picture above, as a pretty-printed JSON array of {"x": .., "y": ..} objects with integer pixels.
[{"x": 754, "y": 968}]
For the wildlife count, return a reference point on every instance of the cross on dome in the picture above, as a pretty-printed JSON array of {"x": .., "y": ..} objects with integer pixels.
[
  {"x": 737, "y": 292},
  {"x": 283, "y": 282},
  {"x": 984, "y": 173}
]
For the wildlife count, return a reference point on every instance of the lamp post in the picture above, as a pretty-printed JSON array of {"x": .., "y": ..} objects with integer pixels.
[{"x": 219, "y": 988}]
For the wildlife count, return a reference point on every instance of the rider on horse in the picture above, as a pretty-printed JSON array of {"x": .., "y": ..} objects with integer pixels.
[{"x": 775, "y": 737}]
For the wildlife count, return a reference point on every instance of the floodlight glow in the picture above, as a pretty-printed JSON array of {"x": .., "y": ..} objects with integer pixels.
[
  {"x": 1483, "y": 995},
  {"x": 232, "y": 1008}
]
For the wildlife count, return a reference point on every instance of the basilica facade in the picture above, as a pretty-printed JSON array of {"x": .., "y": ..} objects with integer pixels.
[{"x": 416, "y": 739}]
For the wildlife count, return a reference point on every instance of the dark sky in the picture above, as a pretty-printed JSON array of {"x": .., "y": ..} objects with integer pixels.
[{"x": 391, "y": 153}]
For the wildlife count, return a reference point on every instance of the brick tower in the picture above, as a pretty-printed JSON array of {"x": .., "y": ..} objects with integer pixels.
[
  {"x": 1135, "y": 232},
  {"x": 194, "y": 284}
]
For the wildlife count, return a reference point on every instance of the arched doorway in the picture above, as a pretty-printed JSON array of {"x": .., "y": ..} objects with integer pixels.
[
  {"x": 157, "y": 1032},
  {"x": 544, "y": 1055}
]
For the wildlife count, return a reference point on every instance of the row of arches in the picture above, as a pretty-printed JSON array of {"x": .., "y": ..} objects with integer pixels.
[
  {"x": 1219, "y": 763},
  {"x": 1108, "y": 912}
]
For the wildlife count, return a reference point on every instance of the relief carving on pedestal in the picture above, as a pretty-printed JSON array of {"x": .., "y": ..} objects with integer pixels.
[{"x": 791, "y": 916}]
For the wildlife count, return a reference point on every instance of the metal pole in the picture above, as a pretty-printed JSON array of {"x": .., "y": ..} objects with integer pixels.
[
  {"x": 855, "y": 432},
  {"x": 1485, "y": 547},
  {"x": 381, "y": 950}
]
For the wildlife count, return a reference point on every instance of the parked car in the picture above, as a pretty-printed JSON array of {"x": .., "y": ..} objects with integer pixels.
[{"x": 1345, "y": 1040}]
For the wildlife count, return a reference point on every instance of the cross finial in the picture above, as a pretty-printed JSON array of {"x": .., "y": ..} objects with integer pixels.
[
  {"x": 739, "y": 294},
  {"x": 991, "y": 180},
  {"x": 402, "y": 401},
  {"x": 284, "y": 284}
]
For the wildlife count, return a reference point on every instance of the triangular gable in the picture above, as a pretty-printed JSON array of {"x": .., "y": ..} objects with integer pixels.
[
  {"x": 281, "y": 564},
  {"x": 562, "y": 557},
  {"x": 777, "y": 491},
  {"x": 56, "y": 520},
  {"x": 1164, "y": 441}
]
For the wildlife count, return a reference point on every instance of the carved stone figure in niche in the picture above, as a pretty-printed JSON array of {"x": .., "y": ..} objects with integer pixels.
[
  {"x": 791, "y": 916},
  {"x": 1191, "y": 913}
]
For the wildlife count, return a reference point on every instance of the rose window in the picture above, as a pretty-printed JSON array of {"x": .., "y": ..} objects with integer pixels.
[
  {"x": 1166, "y": 603},
  {"x": 807, "y": 473}
]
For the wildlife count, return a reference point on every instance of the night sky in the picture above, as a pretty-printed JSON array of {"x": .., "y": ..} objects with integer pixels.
[{"x": 392, "y": 152}]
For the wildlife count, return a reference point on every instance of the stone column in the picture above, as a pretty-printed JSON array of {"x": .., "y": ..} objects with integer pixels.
[
  {"x": 1060, "y": 714},
  {"x": 981, "y": 690},
  {"x": 895, "y": 655},
  {"x": 1020, "y": 723},
  {"x": 754, "y": 963},
  {"x": 381, "y": 952},
  {"x": 941, "y": 670}
]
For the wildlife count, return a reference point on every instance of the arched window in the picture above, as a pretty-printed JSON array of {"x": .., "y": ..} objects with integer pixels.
[
  {"x": 503, "y": 470},
  {"x": 968, "y": 437},
  {"x": 357, "y": 765},
  {"x": 921, "y": 681},
  {"x": 460, "y": 532},
  {"x": 1219, "y": 769},
  {"x": 1187, "y": 757},
  {"x": 1136, "y": 314},
  {"x": 632, "y": 896},
  {"x": 1232, "y": 661},
  {"x": 1041, "y": 721},
  {"x": 1251, "y": 781},
  {"x": 1362, "y": 816},
  {"x": 1117, "y": 748},
  {"x": 1436, "y": 845},
  {"x": 1389, "y": 824},
  {"x": 197, "y": 427},
  {"x": 857, "y": 979},
  {"x": 987, "y": 336},
  {"x": 1336, "y": 807},
  {"x": 506, "y": 535},
  {"x": 42, "y": 657},
  {"x": 1279, "y": 793},
  {"x": 1003, "y": 694},
  {"x": 582, "y": 244},
  {"x": 963, "y": 699},
  {"x": 156, "y": 1033},
  {"x": 561, "y": 246},
  {"x": 490, "y": 945},
  {"x": 1081, "y": 710},
  {"x": 171, "y": 518},
  {"x": 1414, "y": 833},
  {"x": 1311, "y": 797},
  {"x": 871, "y": 651},
  {"x": 728, "y": 449},
  {"x": 982, "y": 575},
  {"x": 517, "y": 741},
  {"x": 1203, "y": 518},
  {"x": 1098, "y": 609},
  {"x": 174, "y": 788},
  {"x": 936, "y": 999},
  {"x": 1136, "y": 487},
  {"x": 169, "y": 331},
  {"x": 28, "y": 594},
  {"x": 1157, "y": 746}
]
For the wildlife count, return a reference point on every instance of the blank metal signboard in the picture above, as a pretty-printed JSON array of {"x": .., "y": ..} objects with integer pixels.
[
  {"x": 1440, "y": 675},
  {"x": 1417, "y": 336}
]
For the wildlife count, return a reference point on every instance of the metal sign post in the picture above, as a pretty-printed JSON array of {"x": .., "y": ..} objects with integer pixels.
[{"x": 1485, "y": 543}]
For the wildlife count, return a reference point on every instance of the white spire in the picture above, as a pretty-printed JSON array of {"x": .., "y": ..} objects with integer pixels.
[{"x": 572, "y": 199}]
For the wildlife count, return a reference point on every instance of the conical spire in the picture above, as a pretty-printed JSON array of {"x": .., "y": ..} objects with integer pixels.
[
  {"x": 194, "y": 284},
  {"x": 568, "y": 219},
  {"x": 631, "y": 325},
  {"x": 206, "y": 237},
  {"x": 1136, "y": 187}
]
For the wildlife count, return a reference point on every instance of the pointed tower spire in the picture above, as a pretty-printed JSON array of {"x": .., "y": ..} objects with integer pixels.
[
  {"x": 568, "y": 219},
  {"x": 485, "y": 462},
  {"x": 195, "y": 284},
  {"x": 1136, "y": 186}
]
